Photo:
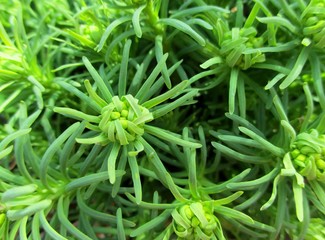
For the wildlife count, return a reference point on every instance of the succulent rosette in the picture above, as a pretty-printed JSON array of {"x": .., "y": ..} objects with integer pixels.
[{"x": 308, "y": 155}]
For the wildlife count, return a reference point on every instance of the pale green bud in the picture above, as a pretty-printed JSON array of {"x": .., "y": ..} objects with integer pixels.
[
  {"x": 295, "y": 153},
  {"x": 124, "y": 113},
  {"x": 2, "y": 218},
  {"x": 124, "y": 123},
  {"x": 307, "y": 150},
  {"x": 115, "y": 115},
  {"x": 301, "y": 158},
  {"x": 320, "y": 164}
]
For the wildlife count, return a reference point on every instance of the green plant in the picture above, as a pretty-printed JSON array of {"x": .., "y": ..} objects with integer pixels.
[{"x": 157, "y": 119}]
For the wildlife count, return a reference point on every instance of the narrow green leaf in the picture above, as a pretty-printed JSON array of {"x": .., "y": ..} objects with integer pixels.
[
  {"x": 279, "y": 152},
  {"x": 159, "y": 51},
  {"x": 210, "y": 62},
  {"x": 180, "y": 220},
  {"x": 290, "y": 130},
  {"x": 120, "y": 168},
  {"x": 124, "y": 69},
  {"x": 120, "y": 227},
  {"x": 241, "y": 94},
  {"x": 28, "y": 211},
  {"x": 152, "y": 223},
  {"x": 36, "y": 231},
  {"x": 203, "y": 74},
  {"x": 107, "y": 95},
  {"x": 316, "y": 75},
  {"x": 298, "y": 197},
  {"x": 34, "y": 81},
  {"x": 228, "y": 199},
  {"x": 236, "y": 139},
  {"x": 175, "y": 104},
  {"x": 297, "y": 68},
  {"x": 310, "y": 108},
  {"x": 54, "y": 147},
  {"x": 152, "y": 77},
  {"x": 15, "y": 192},
  {"x": 23, "y": 229},
  {"x": 232, "y": 89},
  {"x": 192, "y": 173},
  {"x": 67, "y": 224},
  {"x": 101, "y": 138},
  {"x": 86, "y": 181},
  {"x": 48, "y": 228},
  {"x": 80, "y": 95},
  {"x": 8, "y": 176},
  {"x": 120, "y": 133},
  {"x": 165, "y": 96},
  {"x": 173, "y": 188},
  {"x": 6, "y": 151},
  {"x": 111, "y": 161},
  {"x": 319, "y": 191},
  {"x": 65, "y": 155},
  {"x": 279, "y": 108},
  {"x": 273, "y": 195},
  {"x": 238, "y": 156},
  {"x": 216, "y": 188},
  {"x": 154, "y": 206},
  {"x": 111, "y": 27},
  {"x": 4, "y": 37},
  {"x": 280, "y": 21},
  {"x": 195, "y": 10},
  {"x": 98, "y": 215},
  {"x": 76, "y": 114},
  {"x": 93, "y": 94},
  {"x": 136, "y": 21},
  {"x": 135, "y": 178},
  {"x": 254, "y": 183},
  {"x": 82, "y": 39},
  {"x": 245, "y": 123},
  {"x": 231, "y": 213},
  {"x": 167, "y": 136},
  {"x": 183, "y": 27},
  {"x": 14, "y": 230},
  {"x": 10, "y": 99}
]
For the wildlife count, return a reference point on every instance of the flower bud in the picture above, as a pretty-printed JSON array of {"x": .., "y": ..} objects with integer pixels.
[
  {"x": 308, "y": 155},
  {"x": 196, "y": 225},
  {"x": 119, "y": 115},
  {"x": 314, "y": 23}
]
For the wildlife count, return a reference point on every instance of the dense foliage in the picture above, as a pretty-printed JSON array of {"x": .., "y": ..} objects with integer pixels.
[{"x": 160, "y": 119}]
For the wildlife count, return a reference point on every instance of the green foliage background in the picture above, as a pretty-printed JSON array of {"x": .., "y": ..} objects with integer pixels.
[{"x": 158, "y": 119}]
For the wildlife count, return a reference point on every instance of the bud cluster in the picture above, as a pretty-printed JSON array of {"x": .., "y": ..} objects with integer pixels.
[
  {"x": 239, "y": 48},
  {"x": 308, "y": 155},
  {"x": 123, "y": 119},
  {"x": 314, "y": 23},
  {"x": 195, "y": 221}
]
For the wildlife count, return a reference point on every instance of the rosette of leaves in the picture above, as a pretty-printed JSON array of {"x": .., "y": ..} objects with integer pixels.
[
  {"x": 196, "y": 213},
  {"x": 231, "y": 50},
  {"x": 302, "y": 22},
  {"x": 28, "y": 58},
  {"x": 308, "y": 154},
  {"x": 37, "y": 191},
  {"x": 238, "y": 47},
  {"x": 149, "y": 21},
  {"x": 279, "y": 156},
  {"x": 313, "y": 19},
  {"x": 121, "y": 115}
]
